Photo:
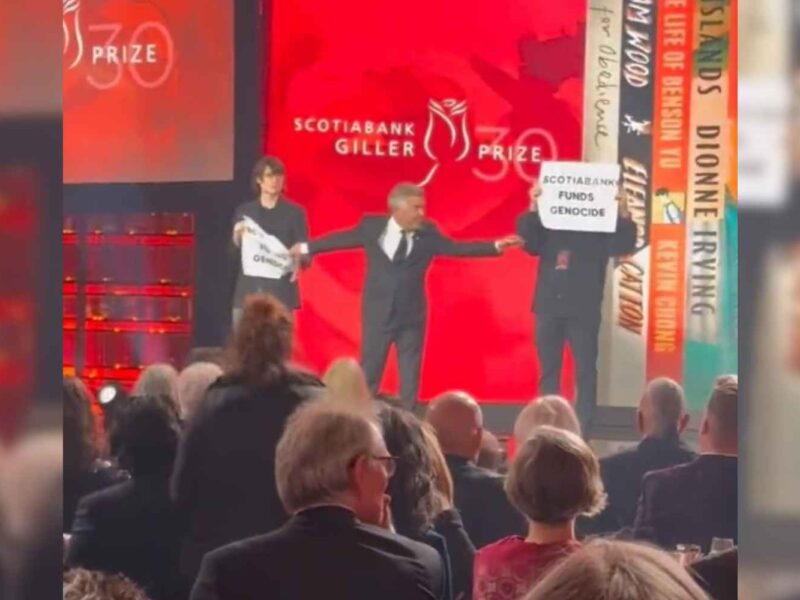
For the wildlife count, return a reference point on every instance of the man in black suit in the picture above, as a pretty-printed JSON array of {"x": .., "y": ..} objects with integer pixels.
[
  {"x": 399, "y": 251},
  {"x": 332, "y": 470},
  {"x": 692, "y": 503},
  {"x": 569, "y": 294},
  {"x": 277, "y": 216},
  {"x": 478, "y": 493},
  {"x": 661, "y": 419}
]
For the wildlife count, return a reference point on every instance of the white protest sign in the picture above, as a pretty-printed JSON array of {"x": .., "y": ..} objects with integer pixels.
[
  {"x": 263, "y": 255},
  {"x": 578, "y": 196}
]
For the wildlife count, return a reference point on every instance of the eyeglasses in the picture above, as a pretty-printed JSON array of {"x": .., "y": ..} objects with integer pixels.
[{"x": 389, "y": 463}]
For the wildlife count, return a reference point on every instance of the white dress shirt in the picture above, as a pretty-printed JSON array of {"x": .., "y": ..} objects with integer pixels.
[{"x": 391, "y": 237}]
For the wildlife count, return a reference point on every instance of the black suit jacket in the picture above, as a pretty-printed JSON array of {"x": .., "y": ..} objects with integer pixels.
[
  {"x": 129, "y": 528},
  {"x": 689, "y": 503},
  {"x": 481, "y": 500},
  {"x": 394, "y": 294},
  {"x": 622, "y": 476},
  {"x": 322, "y": 552},
  {"x": 578, "y": 289},
  {"x": 224, "y": 477}
]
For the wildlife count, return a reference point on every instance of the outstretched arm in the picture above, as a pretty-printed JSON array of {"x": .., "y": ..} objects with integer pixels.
[
  {"x": 339, "y": 240},
  {"x": 623, "y": 241},
  {"x": 529, "y": 224}
]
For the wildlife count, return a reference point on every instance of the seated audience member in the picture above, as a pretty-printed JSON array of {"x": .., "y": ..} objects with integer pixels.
[
  {"x": 421, "y": 502},
  {"x": 554, "y": 478},
  {"x": 490, "y": 455},
  {"x": 80, "y": 584},
  {"x": 346, "y": 383},
  {"x": 615, "y": 570},
  {"x": 479, "y": 496},
  {"x": 84, "y": 469},
  {"x": 223, "y": 483},
  {"x": 131, "y": 527},
  {"x": 718, "y": 574},
  {"x": 691, "y": 503},
  {"x": 160, "y": 379},
  {"x": 193, "y": 382},
  {"x": 332, "y": 470},
  {"x": 546, "y": 410},
  {"x": 661, "y": 419}
]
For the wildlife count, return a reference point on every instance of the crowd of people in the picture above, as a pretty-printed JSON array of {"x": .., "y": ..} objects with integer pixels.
[{"x": 246, "y": 476}]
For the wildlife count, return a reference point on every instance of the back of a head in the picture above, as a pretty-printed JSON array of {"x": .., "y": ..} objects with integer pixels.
[
  {"x": 315, "y": 452},
  {"x": 722, "y": 417},
  {"x": 415, "y": 502},
  {"x": 80, "y": 584},
  {"x": 614, "y": 570},
  {"x": 546, "y": 410},
  {"x": 145, "y": 436},
  {"x": 262, "y": 340},
  {"x": 555, "y": 477},
  {"x": 457, "y": 419},
  {"x": 346, "y": 383},
  {"x": 160, "y": 379},
  {"x": 81, "y": 445},
  {"x": 193, "y": 382},
  {"x": 664, "y": 403}
]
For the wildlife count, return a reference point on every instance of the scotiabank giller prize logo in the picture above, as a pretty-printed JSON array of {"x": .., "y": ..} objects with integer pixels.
[
  {"x": 108, "y": 51},
  {"x": 446, "y": 139}
]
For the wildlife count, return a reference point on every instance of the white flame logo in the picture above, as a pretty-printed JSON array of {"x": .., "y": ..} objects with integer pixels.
[
  {"x": 72, "y": 12},
  {"x": 447, "y": 111}
]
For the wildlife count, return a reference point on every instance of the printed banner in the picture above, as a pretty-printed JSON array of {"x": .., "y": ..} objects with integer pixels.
[
  {"x": 578, "y": 196},
  {"x": 263, "y": 255}
]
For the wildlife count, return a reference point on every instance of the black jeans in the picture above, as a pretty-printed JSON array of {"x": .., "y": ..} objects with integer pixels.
[{"x": 581, "y": 333}]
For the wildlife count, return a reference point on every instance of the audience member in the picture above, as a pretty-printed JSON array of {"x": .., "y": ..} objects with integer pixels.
[
  {"x": 193, "y": 382},
  {"x": 546, "y": 410},
  {"x": 615, "y": 570},
  {"x": 694, "y": 502},
  {"x": 84, "y": 469},
  {"x": 718, "y": 574},
  {"x": 347, "y": 383},
  {"x": 80, "y": 584},
  {"x": 159, "y": 379},
  {"x": 332, "y": 469},
  {"x": 212, "y": 354},
  {"x": 660, "y": 419},
  {"x": 491, "y": 455},
  {"x": 131, "y": 527},
  {"x": 223, "y": 482},
  {"x": 554, "y": 478},
  {"x": 479, "y": 497},
  {"x": 420, "y": 506}
]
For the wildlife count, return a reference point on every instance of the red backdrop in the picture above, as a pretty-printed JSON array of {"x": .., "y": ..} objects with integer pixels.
[
  {"x": 148, "y": 90},
  {"x": 472, "y": 97}
]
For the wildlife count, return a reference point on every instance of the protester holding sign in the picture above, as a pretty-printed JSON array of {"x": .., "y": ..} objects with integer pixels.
[
  {"x": 264, "y": 229},
  {"x": 569, "y": 287}
]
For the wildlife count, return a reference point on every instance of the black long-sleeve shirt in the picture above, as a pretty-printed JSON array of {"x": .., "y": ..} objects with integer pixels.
[{"x": 572, "y": 264}]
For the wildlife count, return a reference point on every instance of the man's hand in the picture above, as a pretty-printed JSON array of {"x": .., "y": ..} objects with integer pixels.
[
  {"x": 510, "y": 241},
  {"x": 238, "y": 231},
  {"x": 533, "y": 194},
  {"x": 622, "y": 201},
  {"x": 296, "y": 252}
]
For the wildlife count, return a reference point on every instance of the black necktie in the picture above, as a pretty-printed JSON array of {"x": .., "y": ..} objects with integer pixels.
[{"x": 402, "y": 249}]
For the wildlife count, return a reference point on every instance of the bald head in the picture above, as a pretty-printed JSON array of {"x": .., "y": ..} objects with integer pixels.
[
  {"x": 662, "y": 409},
  {"x": 719, "y": 432},
  {"x": 458, "y": 421}
]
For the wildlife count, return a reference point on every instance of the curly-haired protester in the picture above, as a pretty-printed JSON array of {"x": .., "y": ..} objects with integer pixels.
[
  {"x": 224, "y": 484},
  {"x": 554, "y": 479}
]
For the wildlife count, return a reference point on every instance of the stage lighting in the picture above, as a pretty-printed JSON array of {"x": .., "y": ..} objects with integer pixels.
[{"x": 108, "y": 393}]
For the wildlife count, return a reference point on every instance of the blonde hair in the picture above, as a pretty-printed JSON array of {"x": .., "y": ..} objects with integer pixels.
[
  {"x": 159, "y": 379},
  {"x": 81, "y": 584},
  {"x": 346, "y": 383},
  {"x": 193, "y": 382},
  {"x": 443, "y": 481},
  {"x": 546, "y": 410},
  {"x": 555, "y": 477},
  {"x": 615, "y": 570}
]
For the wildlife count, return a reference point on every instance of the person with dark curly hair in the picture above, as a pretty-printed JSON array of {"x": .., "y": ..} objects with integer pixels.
[
  {"x": 422, "y": 498},
  {"x": 85, "y": 471},
  {"x": 131, "y": 527},
  {"x": 224, "y": 479}
]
